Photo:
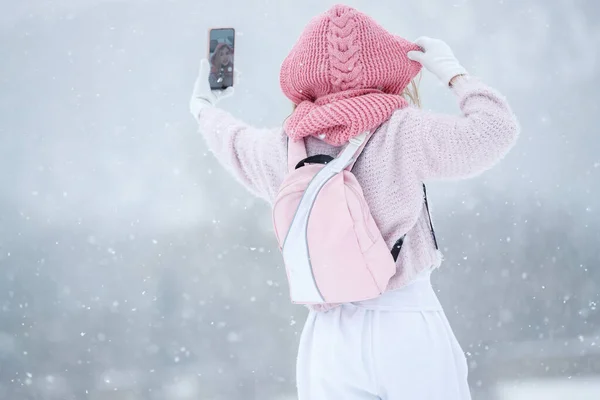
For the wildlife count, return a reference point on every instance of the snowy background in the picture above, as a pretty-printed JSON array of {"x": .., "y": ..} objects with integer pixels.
[{"x": 132, "y": 267}]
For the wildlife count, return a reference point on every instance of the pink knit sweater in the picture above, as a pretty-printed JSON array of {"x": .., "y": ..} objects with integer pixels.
[{"x": 412, "y": 147}]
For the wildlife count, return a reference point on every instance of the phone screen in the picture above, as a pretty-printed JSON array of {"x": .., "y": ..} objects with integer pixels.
[{"x": 221, "y": 51}]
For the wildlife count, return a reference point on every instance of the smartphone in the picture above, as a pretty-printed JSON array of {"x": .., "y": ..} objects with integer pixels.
[{"x": 221, "y": 49}]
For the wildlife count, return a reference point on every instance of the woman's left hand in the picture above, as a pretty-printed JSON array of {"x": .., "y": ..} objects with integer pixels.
[{"x": 203, "y": 95}]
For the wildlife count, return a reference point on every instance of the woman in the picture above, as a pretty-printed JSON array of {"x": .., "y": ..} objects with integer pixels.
[{"x": 347, "y": 75}]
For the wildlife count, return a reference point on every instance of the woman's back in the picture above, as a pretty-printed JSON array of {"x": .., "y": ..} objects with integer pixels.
[{"x": 410, "y": 148}]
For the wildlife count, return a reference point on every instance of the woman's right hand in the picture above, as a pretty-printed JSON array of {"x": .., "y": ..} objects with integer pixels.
[
  {"x": 438, "y": 58},
  {"x": 203, "y": 95}
]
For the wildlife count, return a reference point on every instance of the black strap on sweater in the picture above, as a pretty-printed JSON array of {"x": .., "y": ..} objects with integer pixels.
[
  {"x": 324, "y": 159},
  {"x": 318, "y": 159},
  {"x": 398, "y": 245},
  {"x": 435, "y": 242}
]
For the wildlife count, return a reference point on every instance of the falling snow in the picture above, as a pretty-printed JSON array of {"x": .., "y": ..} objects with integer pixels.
[{"x": 133, "y": 266}]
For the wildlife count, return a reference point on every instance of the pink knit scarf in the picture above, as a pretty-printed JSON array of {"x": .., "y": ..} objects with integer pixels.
[{"x": 338, "y": 117}]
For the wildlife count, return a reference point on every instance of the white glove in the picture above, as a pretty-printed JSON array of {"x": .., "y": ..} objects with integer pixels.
[
  {"x": 438, "y": 58},
  {"x": 203, "y": 96}
]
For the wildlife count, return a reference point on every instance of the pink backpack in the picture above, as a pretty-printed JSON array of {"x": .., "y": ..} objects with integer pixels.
[{"x": 332, "y": 248}]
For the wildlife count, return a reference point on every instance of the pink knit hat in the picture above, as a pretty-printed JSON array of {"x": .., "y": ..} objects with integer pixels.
[{"x": 342, "y": 57}]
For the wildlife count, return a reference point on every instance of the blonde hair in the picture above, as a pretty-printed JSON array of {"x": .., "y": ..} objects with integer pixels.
[{"x": 410, "y": 93}]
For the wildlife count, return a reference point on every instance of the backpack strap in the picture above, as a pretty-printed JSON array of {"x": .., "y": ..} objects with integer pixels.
[
  {"x": 316, "y": 159},
  {"x": 429, "y": 215},
  {"x": 399, "y": 242},
  {"x": 348, "y": 156},
  {"x": 362, "y": 139},
  {"x": 296, "y": 153}
]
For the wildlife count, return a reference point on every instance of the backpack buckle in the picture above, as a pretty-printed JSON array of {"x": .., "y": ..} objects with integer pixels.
[{"x": 358, "y": 140}]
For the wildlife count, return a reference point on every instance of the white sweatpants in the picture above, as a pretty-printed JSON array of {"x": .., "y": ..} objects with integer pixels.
[{"x": 397, "y": 347}]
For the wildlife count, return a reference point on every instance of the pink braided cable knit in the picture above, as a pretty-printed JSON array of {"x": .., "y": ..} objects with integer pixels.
[
  {"x": 345, "y": 73},
  {"x": 344, "y": 49}
]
